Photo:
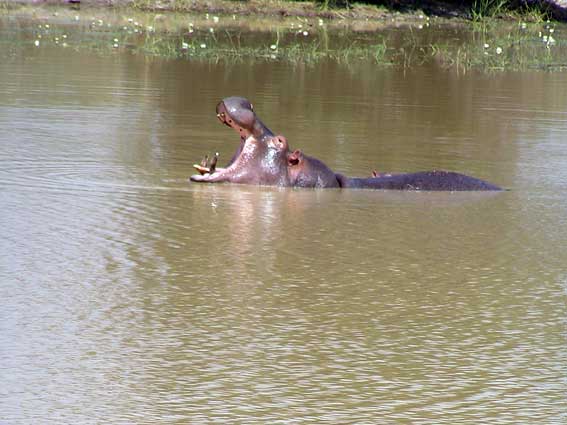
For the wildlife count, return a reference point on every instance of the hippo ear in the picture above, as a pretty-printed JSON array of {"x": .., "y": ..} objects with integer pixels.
[{"x": 294, "y": 157}]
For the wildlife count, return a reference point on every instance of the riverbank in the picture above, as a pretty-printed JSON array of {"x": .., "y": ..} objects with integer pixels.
[
  {"x": 399, "y": 40},
  {"x": 527, "y": 9},
  {"x": 269, "y": 8}
]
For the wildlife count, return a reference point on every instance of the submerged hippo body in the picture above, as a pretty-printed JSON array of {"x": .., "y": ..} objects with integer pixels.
[{"x": 263, "y": 158}]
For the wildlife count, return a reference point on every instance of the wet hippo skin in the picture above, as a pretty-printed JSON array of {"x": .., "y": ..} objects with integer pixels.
[{"x": 266, "y": 159}]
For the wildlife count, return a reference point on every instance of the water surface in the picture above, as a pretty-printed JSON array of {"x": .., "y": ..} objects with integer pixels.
[{"x": 133, "y": 296}]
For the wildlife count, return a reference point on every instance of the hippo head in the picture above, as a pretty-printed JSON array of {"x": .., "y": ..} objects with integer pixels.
[{"x": 261, "y": 157}]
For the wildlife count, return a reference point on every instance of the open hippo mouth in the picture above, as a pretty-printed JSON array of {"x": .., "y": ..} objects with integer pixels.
[
  {"x": 238, "y": 114},
  {"x": 256, "y": 140}
]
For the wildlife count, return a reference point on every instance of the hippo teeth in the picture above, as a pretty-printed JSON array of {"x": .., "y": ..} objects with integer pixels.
[
  {"x": 222, "y": 118},
  {"x": 213, "y": 165},
  {"x": 205, "y": 167},
  {"x": 202, "y": 170}
]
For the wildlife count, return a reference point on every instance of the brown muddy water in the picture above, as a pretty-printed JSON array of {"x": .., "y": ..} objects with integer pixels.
[{"x": 130, "y": 295}]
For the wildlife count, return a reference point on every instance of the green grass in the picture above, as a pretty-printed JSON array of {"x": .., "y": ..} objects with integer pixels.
[
  {"x": 522, "y": 47},
  {"x": 482, "y": 9},
  {"x": 308, "y": 52}
]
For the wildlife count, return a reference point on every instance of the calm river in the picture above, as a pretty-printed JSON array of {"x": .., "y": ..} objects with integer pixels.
[{"x": 130, "y": 295}]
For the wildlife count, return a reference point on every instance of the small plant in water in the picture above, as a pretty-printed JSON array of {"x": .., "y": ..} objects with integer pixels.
[{"x": 482, "y": 9}]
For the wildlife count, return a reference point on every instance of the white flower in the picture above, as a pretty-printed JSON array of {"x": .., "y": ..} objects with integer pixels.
[
  {"x": 272, "y": 56},
  {"x": 216, "y": 19},
  {"x": 130, "y": 20},
  {"x": 211, "y": 30},
  {"x": 203, "y": 46},
  {"x": 305, "y": 33},
  {"x": 184, "y": 45},
  {"x": 498, "y": 50},
  {"x": 36, "y": 42},
  {"x": 190, "y": 30},
  {"x": 551, "y": 30},
  {"x": 115, "y": 45},
  {"x": 116, "y": 40},
  {"x": 486, "y": 45},
  {"x": 77, "y": 17},
  {"x": 273, "y": 47},
  {"x": 47, "y": 26},
  {"x": 64, "y": 36}
]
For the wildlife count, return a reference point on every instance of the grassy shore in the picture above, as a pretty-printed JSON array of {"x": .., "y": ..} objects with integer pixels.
[
  {"x": 475, "y": 10},
  {"x": 273, "y": 8},
  {"x": 403, "y": 41}
]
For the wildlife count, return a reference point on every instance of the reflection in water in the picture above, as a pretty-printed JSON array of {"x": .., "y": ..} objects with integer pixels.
[{"x": 131, "y": 295}]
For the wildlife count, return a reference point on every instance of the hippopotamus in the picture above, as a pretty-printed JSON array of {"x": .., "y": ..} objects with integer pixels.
[{"x": 264, "y": 158}]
